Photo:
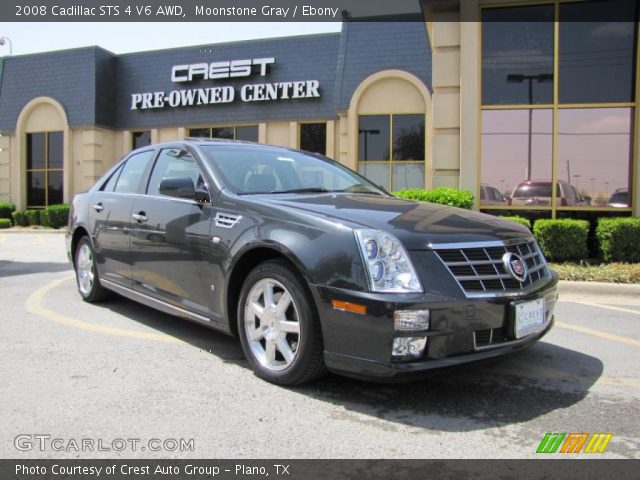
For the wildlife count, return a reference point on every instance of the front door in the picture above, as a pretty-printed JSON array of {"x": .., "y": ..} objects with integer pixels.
[{"x": 170, "y": 235}]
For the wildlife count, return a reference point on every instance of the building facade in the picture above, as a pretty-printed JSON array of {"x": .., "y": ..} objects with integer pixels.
[{"x": 506, "y": 109}]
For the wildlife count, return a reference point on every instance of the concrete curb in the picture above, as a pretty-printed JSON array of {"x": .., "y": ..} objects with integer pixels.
[
  {"x": 12, "y": 231},
  {"x": 599, "y": 290}
]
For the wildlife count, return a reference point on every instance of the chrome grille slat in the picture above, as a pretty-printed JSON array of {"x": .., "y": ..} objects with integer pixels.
[{"x": 479, "y": 271}]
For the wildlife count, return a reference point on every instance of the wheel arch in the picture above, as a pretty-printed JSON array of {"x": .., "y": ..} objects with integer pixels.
[{"x": 246, "y": 261}]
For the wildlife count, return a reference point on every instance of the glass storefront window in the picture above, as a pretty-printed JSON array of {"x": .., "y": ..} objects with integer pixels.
[
  {"x": 313, "y": 137},
  {"x": 595, "y": 147},
  {"x": 45, "y": 153},
  {"x": 517, "y": 146},
  {"x": 223, "y": 132},
  {"x": 141, "y": 139},
  {"x": 517, "y": 55},
  {"x": 597, "y": 59},
  {"x": 408, "y": 137},
  {"x": 589, "y": 153},
  {"x": 373, "y": 137},
  {"x": 248, "y": 133},
  {"x": 391, "y": 150}
]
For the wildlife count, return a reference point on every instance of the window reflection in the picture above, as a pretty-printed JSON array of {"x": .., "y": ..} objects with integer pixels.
[
  {"x": 517, "y": 42},
  {"x": 595, "y": 148},
  {"x": 313, "y": 137},
  {"x": 597, "y": 59},
  {"x": 516, "y": 147},
  {"x": 373, "y": 137},
  {"x": 408, "y": 137}
]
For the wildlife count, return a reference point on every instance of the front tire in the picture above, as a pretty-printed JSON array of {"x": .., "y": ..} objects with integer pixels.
[
  {"x": 278, "y": 326},
  {"x": 86, "y": 273}
]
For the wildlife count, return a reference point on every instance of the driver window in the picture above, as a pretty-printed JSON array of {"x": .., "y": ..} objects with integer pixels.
[{"x": 174, "y": 163}]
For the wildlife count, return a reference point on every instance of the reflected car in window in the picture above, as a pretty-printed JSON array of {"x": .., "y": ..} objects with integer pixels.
[
  {"x": 491, "y": 196},
  {"x": 619, "y": 198},
  {"x": 312, "y": 266},
  {"x": 536, "y": 193}
]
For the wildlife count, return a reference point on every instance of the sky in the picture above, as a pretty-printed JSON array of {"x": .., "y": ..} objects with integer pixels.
[{"x": 136, "y": 37}]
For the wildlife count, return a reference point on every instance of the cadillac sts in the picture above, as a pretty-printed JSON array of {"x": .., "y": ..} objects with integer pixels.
[{"x": 312, "y": 266}]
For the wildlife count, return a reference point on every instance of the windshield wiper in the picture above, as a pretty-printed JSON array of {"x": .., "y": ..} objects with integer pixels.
[{"x": 305, "y": 190}]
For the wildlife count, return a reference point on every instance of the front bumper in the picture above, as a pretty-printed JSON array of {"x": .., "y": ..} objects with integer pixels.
[{"x": 359, "y": 345}]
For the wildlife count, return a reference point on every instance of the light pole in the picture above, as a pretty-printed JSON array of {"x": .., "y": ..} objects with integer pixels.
[
  {"x": 4, "y": 40},
  {"x": 519, "y": 78},
  {"x": 577, "y": 177}
]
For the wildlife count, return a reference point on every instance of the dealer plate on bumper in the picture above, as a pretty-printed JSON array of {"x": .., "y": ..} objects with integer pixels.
[{"x": 529, "y": 317}]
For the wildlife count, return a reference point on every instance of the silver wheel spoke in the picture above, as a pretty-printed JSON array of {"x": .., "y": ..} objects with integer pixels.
[
  {"x": 289, "y": 327},
  {"x": 285, "y": 349},
  {"x": 283, "y": 303},
  {"x": 257, "y": 334},
  {"x": 268, "y": 295},
  {"x": 270, "y": 352},
  {"x": 256, "y": 309}
]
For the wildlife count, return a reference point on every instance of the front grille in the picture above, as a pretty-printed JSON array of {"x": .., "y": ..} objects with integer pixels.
[
  {"x": 479, "y": 269},
  {"x": 489, "y": 337}
]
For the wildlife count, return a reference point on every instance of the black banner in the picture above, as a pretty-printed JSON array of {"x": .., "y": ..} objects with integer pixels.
[
  {"x": 285, "y": 11},
  {"x": 317, "y": 469}
]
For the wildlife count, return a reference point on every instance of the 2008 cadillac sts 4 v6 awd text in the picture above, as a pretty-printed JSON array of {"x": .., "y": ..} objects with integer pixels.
[{"x": 310, "y": 264}]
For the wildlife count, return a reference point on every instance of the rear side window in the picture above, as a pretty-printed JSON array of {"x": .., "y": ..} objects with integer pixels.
[
  {"x": 132, "y": 172},
  {"x": 111, "y": 183}
]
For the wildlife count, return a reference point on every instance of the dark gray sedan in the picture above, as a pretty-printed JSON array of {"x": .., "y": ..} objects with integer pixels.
[{"x": 313, "y": 267}]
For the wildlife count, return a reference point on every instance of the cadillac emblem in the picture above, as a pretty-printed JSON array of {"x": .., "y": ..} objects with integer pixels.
[{"x": 515, "y": 266}]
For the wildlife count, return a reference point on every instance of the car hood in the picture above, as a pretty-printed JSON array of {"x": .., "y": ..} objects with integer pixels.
[{"x": 416, "y": 224}]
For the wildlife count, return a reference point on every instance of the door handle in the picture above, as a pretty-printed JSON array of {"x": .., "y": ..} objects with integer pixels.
[
  {"x": 140, "y": 217},
  {"x": 98, "y": 207}
]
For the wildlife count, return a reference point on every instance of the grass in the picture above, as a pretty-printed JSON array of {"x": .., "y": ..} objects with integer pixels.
[{"x": 605, "y": 272}]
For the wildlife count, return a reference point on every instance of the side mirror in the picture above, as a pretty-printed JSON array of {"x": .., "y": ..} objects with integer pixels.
[
  {"x": 202, "y": 195},
  {"x": 178, "y": 187}
]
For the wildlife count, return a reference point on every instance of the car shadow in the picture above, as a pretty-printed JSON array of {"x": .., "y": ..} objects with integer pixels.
[
  {"x": 12, "y": 269},
  {"x": 513, "y": 389}
]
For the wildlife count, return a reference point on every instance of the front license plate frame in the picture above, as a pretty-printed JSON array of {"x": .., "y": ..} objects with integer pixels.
[{"x": 529, "y": 317}]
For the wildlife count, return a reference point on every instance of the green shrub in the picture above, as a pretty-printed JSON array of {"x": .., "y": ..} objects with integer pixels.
[
  {"x": 442, "y": 195},
  {"x": 5, "y": 223},
  {"x": 55, "y": 216},
  {"x": 518, "y": 219},
  {"x": 6, "y": 208},
  {"x": 619, "y": 239},
  {"x": 33, "y": 217},
  {"x": 19, "y": 218},
  {"x": 564, "y": 239}
]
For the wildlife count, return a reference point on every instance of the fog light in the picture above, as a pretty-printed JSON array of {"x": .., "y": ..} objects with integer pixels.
[
  {"x": 411, "y": 347},
  {"x": 411, "y": 320}
]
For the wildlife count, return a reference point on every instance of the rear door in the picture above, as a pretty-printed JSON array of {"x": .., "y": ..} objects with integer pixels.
[
  {"x": 170, "y": 236},
  {"x": 110, "y": 214}
]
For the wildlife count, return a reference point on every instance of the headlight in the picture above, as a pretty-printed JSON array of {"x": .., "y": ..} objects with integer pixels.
[{"x": 388, "y": 266}]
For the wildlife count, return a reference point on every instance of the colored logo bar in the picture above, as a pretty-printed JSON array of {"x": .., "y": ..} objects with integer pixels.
[{"x": 555, "y": 442}]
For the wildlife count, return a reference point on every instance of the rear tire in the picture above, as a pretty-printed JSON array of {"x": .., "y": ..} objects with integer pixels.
[
  {"x": 86, "y": 273},
  {"x": 279, "y": 327}
]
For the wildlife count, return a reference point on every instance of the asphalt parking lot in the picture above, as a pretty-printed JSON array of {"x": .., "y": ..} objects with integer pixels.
[{"x": 119, "y": 370}]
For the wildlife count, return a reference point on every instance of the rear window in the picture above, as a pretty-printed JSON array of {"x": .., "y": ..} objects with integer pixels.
[{"x": 535, "y": 190}]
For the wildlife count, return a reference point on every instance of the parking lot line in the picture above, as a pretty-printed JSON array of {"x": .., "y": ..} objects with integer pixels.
[
  {"x": 35, "y": 305},
  {"x": 599, "y": 333}
]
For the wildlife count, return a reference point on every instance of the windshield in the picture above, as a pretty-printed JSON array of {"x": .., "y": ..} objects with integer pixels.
[{"x": 250, "y": 170}]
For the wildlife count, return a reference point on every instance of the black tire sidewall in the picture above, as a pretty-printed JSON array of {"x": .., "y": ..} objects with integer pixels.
[{"x": 307, "y": 317}]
